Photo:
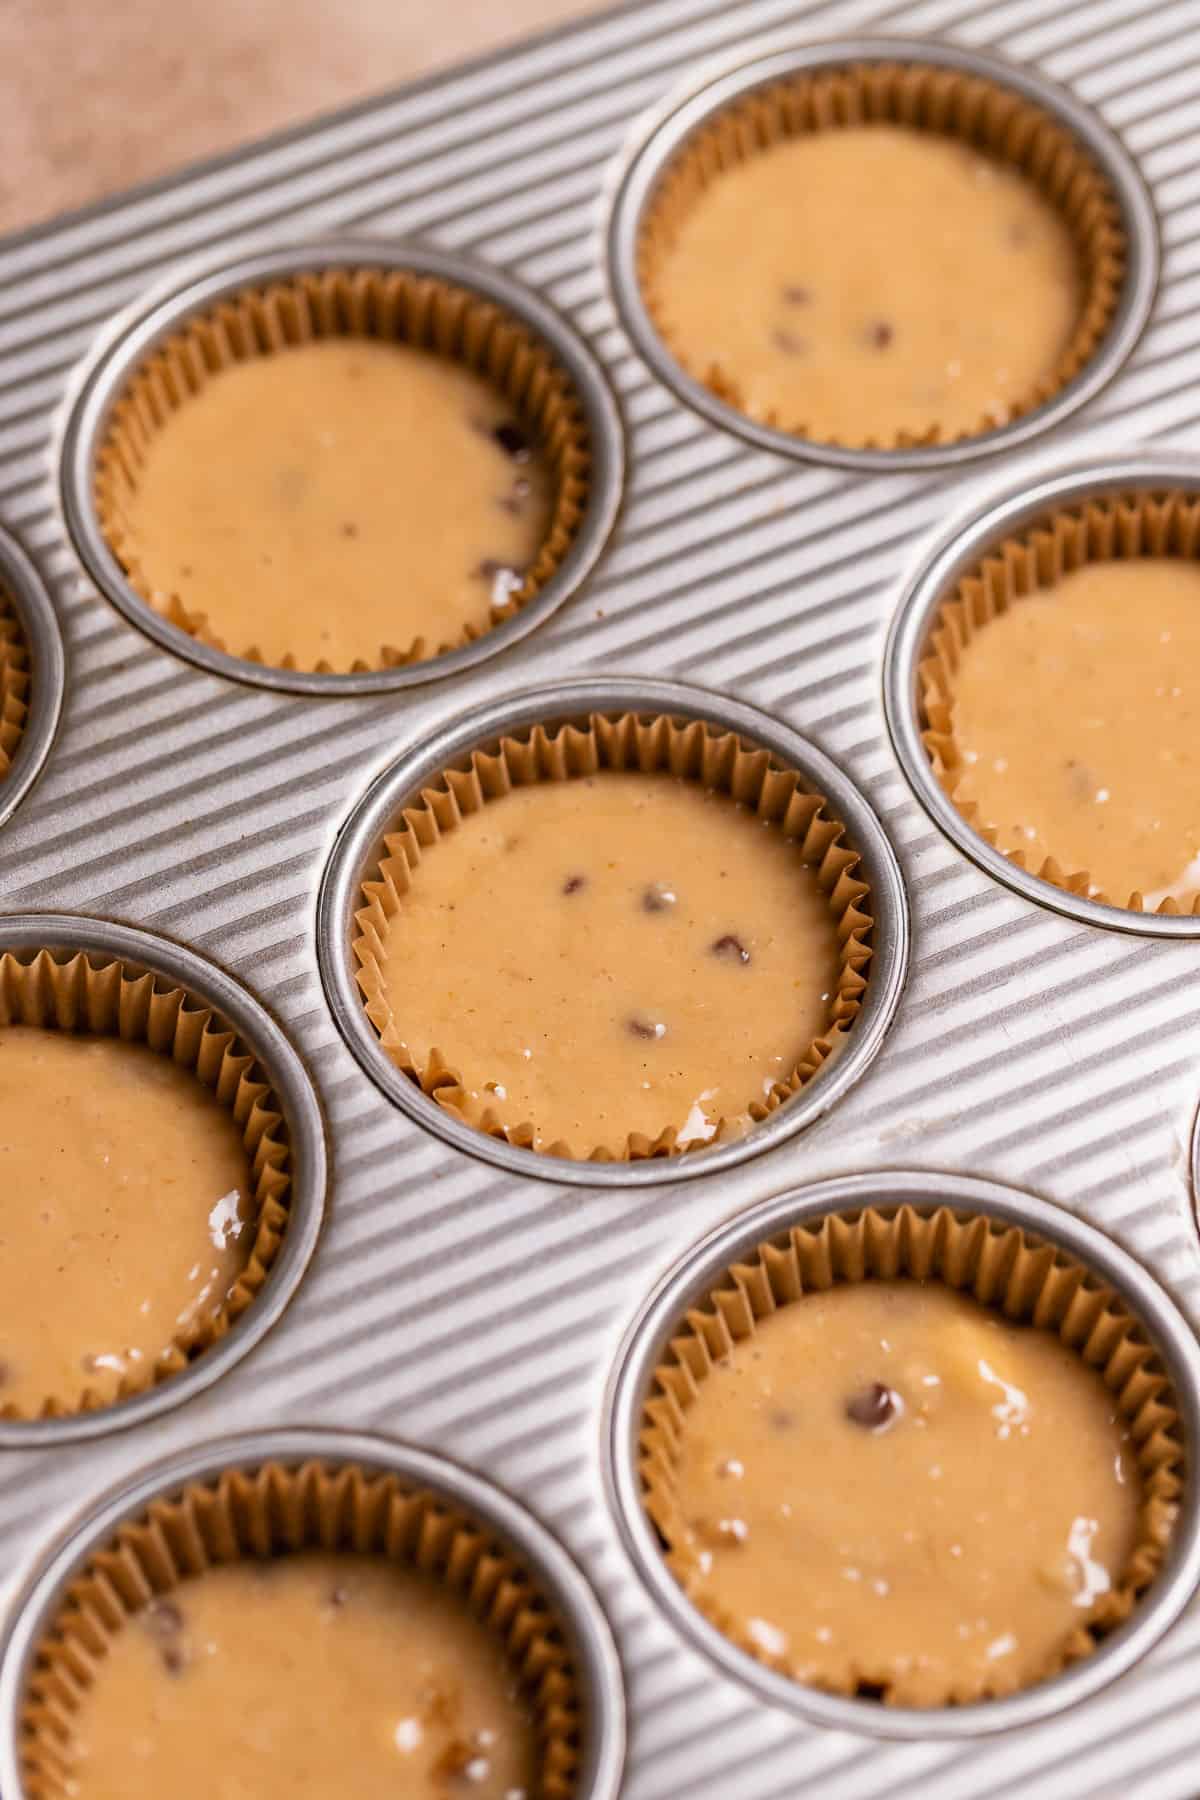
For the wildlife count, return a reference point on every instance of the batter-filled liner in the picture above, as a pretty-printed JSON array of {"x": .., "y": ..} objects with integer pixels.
[
  {"x": 88, "y": 996},
  {"x": 987, "y": 117},
  {"x": 14, "y": 683},
  {"x": 270, "y": 1511},
  {"x": 384, "y": 305},
  {"x": 694, "y": 750},
  {"x": 1002, "y": 1266},
  {"x": 1122, "y": 528}
]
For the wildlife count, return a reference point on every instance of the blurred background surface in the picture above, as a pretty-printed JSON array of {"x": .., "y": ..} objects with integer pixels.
[{"x": 98, "y": 97}]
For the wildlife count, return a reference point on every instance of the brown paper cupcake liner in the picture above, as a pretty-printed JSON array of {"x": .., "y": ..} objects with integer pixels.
[
  {"x": 272, "y": 1511},
  {"x": 14, "y": 682},
  {"x": 1104, "y": 530},
  {"x": 392, "y": 305},
  {"x": 1001, "y": 1266},
  {"x": 691, "y": 749},
  {"x": 980, "y": 113},
  {"x": 109, "y": 1000}
]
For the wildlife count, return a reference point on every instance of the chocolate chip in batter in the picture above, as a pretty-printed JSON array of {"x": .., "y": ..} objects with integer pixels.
[
  {"x": 880, "y": 334},
  {"x": 515, "y": 502},
  {"x": 463, "y": 1764},
  {"x": 349, "y": 529},
  {"x": 874, "y": 1407},
  {"x": 730, "y": 949},
  {"x": 658, "y": 897},
  {"x": 512, "y": 440},
  {"x": 795, "y": 295},
  {"x": 788, "y": 342},
  {"x": 645, "y": 1028},
  {"x": 338, "y": 1597},
  {"x": 164, "y": 1622},
  {"x": 573, "y": 883},
  {"x": 780, "y": 1419}
]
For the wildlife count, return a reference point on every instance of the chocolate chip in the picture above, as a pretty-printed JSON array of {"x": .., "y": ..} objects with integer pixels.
[
  {"x": 338, "y": 1597},
  {"x": 658, "y": 897},
  {"x": 350, "y": 529},
  {"x": 173, "y": 1658},
  {"x": 780, "y": 1419},
  {"x": 512, "y": 440},
  {"x": 881, "y": 334},
  {"x": 870, "y": 1690},
  {"x": 731, "y": 949},
  {"x": 789, "y": 343},
  {"x": 573, "y": 883},
  {"x": 164, "y": 1618},
  {"x": 797, "y": 296},
  {"x": 645, "y": 1028},
  {"x": 874, "y": 1407}
]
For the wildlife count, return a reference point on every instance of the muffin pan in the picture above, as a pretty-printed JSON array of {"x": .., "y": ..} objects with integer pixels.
[{"x": 468, "y": 1297}]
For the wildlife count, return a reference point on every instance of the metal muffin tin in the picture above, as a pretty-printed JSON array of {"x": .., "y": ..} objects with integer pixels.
[
  {"x": 481, "y": 1311},
  {"x": 687, "y": 112},
  {"x": 20, "y": 581},
  {"x": 963, "y": 550},
  {"x": 110, "y": 371},
  {"x": 559, "y": 1582},
  {"x": 358, "y": 850},
  {"x": 64, "y": 936},
  {"x": 705, "y": 1267}
]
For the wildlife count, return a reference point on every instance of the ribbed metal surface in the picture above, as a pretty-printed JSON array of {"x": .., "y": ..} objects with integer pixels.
[{"x": 476, "y": 1312}]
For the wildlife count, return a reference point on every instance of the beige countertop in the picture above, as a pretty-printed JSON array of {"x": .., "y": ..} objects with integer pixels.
[{"x": 103, "y": 96}]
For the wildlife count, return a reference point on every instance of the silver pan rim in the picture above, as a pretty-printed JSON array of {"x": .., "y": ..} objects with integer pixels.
[
  {"x": 959, "y": 550},
  {"x": 693, "y": 1275},
  {"x": 21, "y": 581},
  {"x": 653, "y": 146},
  {"x": 23, "y": 933},
  {"x": 356, "y": 847},
  {"x": 116, "y": 359},
  {"x": 552, "y": 1566}
]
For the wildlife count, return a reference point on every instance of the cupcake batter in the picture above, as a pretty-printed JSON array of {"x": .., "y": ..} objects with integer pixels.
[
  {"x": 334, "y": 498},
  {"x": 889, "y": 1483},
  {"x": 1076, "y": 717},
  {"x": 855, "y": 284},
  {"x": 312, "y": 1675},
  {"x": 614, "y": 954},
  {"x": 125, "y": 1202}
]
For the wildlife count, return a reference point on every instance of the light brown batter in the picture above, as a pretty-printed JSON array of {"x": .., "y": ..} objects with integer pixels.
[
  {"x": 311, "y": 1676},
  {"x": 1077, "y": 716},
  {"x": 614, "y": 954},
  {"x": 888, "y": 1482},
  {"x": 125, "y": 1199},
  {"x": 859, "y": 283},
  {"x": 344, "y": 495}
]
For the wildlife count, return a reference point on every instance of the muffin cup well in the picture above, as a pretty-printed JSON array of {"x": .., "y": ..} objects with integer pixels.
[
  {"x": 14, "y": 683},
  {"x": 32, "y": 675},
  {"x": 344, "y": 288},
  {"x": 1123, "y": 508},
  {"x": 278, "y": 1492},
  {"x": 567, "y": 730},
  {"x": 1001, "y": 110},
  {"x": 716, "y": 760},
  {"x": 1021, "y": 1256},
  {"x": 83, "y": 976},
  {"x": 1107, "y": 529}
]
